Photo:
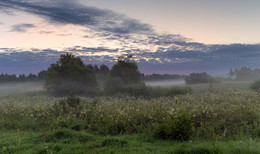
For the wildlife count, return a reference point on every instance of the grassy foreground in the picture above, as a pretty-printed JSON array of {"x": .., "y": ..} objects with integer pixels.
[
  {"x": 211, "y": 122},
  {"x": 69, "y": 141}
]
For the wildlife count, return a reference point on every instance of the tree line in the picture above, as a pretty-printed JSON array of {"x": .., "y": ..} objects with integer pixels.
[
  {"x": 7, "y": 78},
  {"x": 69, "y": 75},
  {"x": 159, "y": 77},
  {"x": 101, "y": 72},
  {"x": 245, "y": 73}
]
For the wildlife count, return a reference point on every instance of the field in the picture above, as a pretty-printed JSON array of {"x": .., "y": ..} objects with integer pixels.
[
  {"x": 224, "y": 85},
  {"x": 83, "y": 142},
  {"x": 221, "y": 86},
  {"x": 226, "y": 121}
]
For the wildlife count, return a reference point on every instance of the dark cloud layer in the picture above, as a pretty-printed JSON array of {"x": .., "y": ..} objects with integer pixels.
[
  {"x": 22, "y": 27},
  {"x": 174, "y": 53},
  {"x": 71, "y": 12},
  {"x": 5, "y": 11},
  {"x": 219, "y": 59}
]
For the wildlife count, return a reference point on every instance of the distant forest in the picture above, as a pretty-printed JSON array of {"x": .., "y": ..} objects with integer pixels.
[
  {"x": 7, "y": 78},
  {"x": 101, "y": 73},
  {"x": 158, "y": 77},
  {"x": 244, "y": 73}
]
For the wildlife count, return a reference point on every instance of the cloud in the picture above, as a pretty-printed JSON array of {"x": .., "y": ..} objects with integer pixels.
[
  {"x": 22, "y": 27},
  {"x": 211, "y": 53},
  {"x": 162, "y": 52},
  {"x": 166, "y": 39},
  {"x": 218, "y": 58},
  {"x": 46, "y": 32},
  {"x": 72, "y": 12},
  {"x": 236, "y": 51},
  {"x": 87, "y": 50},
  {"x": 6, "y": 11},
  {"x": 105, "y": 24}
]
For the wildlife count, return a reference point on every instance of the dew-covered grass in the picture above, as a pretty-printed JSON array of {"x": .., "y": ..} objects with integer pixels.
[{"x": 222, "y": 122}]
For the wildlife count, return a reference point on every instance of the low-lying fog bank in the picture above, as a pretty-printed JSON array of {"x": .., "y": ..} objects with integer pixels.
[
  {"x": 165, "y": 83},
  {"x": 7, "y": 89},
  {"x": 222, "y": 85}
]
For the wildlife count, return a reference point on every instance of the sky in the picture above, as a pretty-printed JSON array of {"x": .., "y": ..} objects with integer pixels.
[{"x": 166, "y": 36}]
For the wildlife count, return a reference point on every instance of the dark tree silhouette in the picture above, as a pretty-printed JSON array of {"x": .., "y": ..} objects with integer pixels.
[
  {"x": 103, "y": 69},
  {"x": 126, "y": 69},
  {"x": 69, "y": 75},
  {"x": 123, "y": 75},
  {"x": 196, "y": 78}
]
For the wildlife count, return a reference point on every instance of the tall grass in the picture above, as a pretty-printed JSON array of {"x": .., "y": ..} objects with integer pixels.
[{"x": 226, "y": 114}]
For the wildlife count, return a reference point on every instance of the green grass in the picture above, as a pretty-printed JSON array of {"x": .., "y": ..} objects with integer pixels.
[
  {"x": 68, "y": 141},
  {"x": 234, "y": 113},
  {"x": 222, "y": 122}
]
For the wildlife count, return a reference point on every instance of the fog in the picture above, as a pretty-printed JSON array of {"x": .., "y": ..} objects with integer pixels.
[
  {"x": 20, "y": 88},
  {"x": 165, "y": 83}
]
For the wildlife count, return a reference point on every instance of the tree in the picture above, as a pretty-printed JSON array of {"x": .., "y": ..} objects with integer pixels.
[
  {"x": 123, "y": 76},
  {"x": 31, "y": 77},
  {"x": 22, "y": 78},
  {"x": 126, "y": 69},
  {"x": 231, "y": 73},
  {"x": 42, "y": 74},
  {"x": 104, "y": 69},
  {"x": 69, "y": 75},
  {"x": 244, "y": 73},
  {"x": 197, "y": 78},
  {"x": 255, "y": 85}
]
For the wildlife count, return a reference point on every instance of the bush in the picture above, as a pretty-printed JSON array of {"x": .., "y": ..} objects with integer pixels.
[
  {"x": 66, "y": 136},
  {"x": 113, "y": 85},
  {"x": 178, "y": 90},
  {"x": 114, "y": 142},
  {"x": 177, "y": 127},
  {"x": 255, "y": 85},
  {"x": 138, "y": 89},
  {"x": 155, "y": 92},
  {"x": 68, "y": 106},
  {"x": 197, "y": 78}
]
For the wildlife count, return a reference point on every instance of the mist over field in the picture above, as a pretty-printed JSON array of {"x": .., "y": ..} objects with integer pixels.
[
  {"x": 138, "y": 76},
  {"x": 10, "y": 89},
  {"x": 165, "y": 83}
]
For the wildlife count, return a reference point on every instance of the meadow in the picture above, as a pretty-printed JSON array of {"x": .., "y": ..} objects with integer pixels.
[
  {"x": 222, "y": 121},
  {"x": 218, "y": 86}
]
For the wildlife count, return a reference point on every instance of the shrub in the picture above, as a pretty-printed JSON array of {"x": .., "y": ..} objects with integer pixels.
[
  {"x": 113, "y": 85},
  {"x": 73, "y": 124},
  {"x": 138, "y": 89},
  {"x": 66, "y": 136},
  {"x": 197, "y": 78},
  {"x": 177, "y": 127},
  {"x": 155, "y": 92},
  {"x": 178, "y": 90},
  {"x": 114, "y": 142},
  {"x": 69, "y": 105},
  {"x": 255, "y": 85}
]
